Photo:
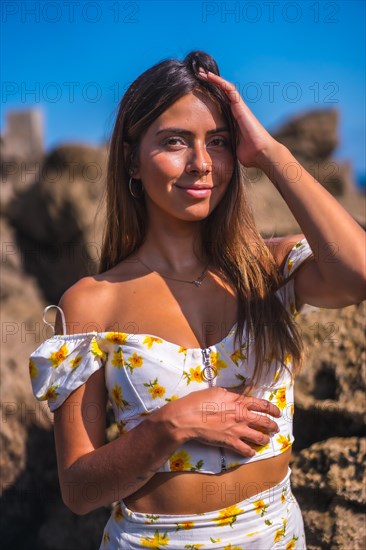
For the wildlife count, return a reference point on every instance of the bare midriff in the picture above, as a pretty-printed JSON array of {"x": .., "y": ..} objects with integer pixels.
[{"x": 195, "y": 493}]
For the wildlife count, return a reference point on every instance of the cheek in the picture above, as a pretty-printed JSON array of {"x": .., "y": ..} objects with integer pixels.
[
  {"x": 165, "y": 165},
  {"x": 223, "y": 168}
]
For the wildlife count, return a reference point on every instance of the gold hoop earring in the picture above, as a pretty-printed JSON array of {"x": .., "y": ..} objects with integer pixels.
[{"x": 130, "y": 188}]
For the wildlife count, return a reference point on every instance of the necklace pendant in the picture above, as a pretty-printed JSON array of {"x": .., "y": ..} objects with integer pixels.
[{"x": 197, "y": 283}]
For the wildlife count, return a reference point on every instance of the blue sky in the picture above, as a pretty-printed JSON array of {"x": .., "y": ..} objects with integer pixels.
[{"x": 74, "y": 59}]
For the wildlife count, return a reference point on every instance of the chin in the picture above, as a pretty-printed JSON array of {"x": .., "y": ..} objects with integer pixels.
[{"x": 196, "y": 217}]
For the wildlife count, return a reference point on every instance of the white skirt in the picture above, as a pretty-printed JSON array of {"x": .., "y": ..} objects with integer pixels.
[{"x": 268, "y": 520}]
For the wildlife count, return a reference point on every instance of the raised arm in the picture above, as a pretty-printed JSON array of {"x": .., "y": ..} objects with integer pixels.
[{"x": 336, "y": 277}]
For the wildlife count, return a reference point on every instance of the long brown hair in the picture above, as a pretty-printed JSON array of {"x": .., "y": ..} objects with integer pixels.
[{"x": 230, "y": 237}]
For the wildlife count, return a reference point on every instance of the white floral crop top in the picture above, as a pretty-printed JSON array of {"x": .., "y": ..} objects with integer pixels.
[{"x": 143, "y": 372}]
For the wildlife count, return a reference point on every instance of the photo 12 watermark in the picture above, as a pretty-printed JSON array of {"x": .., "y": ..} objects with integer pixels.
[
  {"x": 270, "y": 12},
  {"x": 73, "y": 12}
]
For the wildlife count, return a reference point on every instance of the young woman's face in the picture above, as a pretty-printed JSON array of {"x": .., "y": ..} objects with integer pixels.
[{"x": 185, "y": 160}]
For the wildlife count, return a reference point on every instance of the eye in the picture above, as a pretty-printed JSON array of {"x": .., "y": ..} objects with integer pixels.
[
  {"x": 174, "y": 141},
  {"x": 219, "y": 141}
]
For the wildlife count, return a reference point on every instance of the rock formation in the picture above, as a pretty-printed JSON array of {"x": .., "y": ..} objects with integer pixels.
[{"x": 312, "y": 138}]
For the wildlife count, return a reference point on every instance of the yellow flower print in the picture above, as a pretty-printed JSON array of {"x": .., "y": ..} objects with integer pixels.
[
  {"x": 292, "y": 410},
  {"x": 117, "y": 513},
  {"x": 121, "y": 427},
  {"x": 106, "y": 538},
  {"x": 117, "y": 337},
  {"x": 118, "y": 360},
  {"x": 293, "y": 309},
  {"x": 196, "y": 374},
  {"x": 33, "y": 371},
  {"x": 58, "y": 356},
  {"x": 216, "y": 362},
  {"x": 283, "y": 495},
  {"x": 281, "y": 398},
  {"x": 237, "y": 356},
  {"x": 233, "y": 464},
  {"x": 95, "y": 349},
  {"x": 280, "y": 533},
  {"x": 193, "y": 546},
  {"x": 135, "y": 361},
  {"x": 151, "y": 518},
  {"x": 118, "y": 398},
  {"x": 252, "y": 534},
  {"x": 259, "y": 448},
  {"x": 74, "y": 363},
  {"x": 51, "y": 394},
  {"x": 150, "y": 340},
  {"x": 182, "y": 350},
  {"x": 155, "y": 389},
  {"x": 284, "y": 442},
  {"x": 184, "y": 525},
  {"x": 180, "y": 461},
  {"x": 289, "y": 265},
  {"x": 260, "y": 507},
  {"x": 156, "y": 542},
  {"x": 241, "y": 378},
  {"x": 291, "y": 545},
  {"x": 230, "y": 547},
  {"x": 172, "y": 398},
  {"x": 228, "y": 515},
  {"x": 288, "y": 359},
  {"x": 277, "y": 374}
]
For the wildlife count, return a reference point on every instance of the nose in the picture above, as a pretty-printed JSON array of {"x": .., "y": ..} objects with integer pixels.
[{"x": 199, "y": 161}]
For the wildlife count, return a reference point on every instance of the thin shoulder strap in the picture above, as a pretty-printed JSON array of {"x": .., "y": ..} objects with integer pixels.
[{"x": 50, "y": 324}]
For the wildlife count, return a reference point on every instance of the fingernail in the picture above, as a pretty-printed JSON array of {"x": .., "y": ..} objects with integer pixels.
[{"x": 203, "y": 74}]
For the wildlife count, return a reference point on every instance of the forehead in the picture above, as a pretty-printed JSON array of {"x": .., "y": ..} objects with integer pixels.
[{"x": 191, "y": 110}]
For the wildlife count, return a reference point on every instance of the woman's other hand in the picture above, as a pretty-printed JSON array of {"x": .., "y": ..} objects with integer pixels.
[
  {"x": 255, "y": 143},
  {"x": 224, "y": 417}
]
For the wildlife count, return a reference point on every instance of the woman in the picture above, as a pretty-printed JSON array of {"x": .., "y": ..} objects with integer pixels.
[{"x": 189, "y": 326}]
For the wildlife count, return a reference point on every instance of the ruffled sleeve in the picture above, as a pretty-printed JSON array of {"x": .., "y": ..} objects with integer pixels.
[
  {"x": 297, "y": 255},
  {"x": 62, "y": 363}
]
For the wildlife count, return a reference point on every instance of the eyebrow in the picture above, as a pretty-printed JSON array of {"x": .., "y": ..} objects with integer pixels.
[{"x": 189, "y": 133}]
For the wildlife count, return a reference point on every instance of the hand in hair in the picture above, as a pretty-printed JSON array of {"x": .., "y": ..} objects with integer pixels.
[{"x": 254, "y": 140}]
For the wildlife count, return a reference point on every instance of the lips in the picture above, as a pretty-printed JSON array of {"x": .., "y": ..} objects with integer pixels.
[
  {"x": 194, "y": 187},
  {"x": 197, "y": 191}
]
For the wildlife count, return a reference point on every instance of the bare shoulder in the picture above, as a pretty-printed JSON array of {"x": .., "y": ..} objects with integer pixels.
[
  {"x": 81, "y": 304},
  {"x": 281, "y": 246}
]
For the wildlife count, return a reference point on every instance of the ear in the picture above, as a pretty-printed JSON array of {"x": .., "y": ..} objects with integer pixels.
[{"x": 129, "y": 161}]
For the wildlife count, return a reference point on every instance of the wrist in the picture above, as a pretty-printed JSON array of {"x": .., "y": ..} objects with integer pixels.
[
  {"x": 165, "y": 422},
  {"x": 271, "y": 157}
]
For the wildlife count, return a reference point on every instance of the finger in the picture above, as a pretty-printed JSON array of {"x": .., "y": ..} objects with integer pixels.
[
  {"x": 261, "y": 405},
  {"x": 239, "y": 446},
  {"x": 227, "y": 86},
  {"x": 265, "y": 424},
  {"x": 258, "y": 438}
]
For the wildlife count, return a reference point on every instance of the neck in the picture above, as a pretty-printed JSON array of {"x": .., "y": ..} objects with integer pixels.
[{"x": 174, "y": 248}]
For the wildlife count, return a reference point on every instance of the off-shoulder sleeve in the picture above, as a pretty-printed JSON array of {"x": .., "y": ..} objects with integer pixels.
[
  {"x": 300, "y": 252},
  {"x": 61, "y": 364}
]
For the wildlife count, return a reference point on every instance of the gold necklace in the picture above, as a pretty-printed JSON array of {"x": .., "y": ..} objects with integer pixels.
[{"x": 197, "y": 282}]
